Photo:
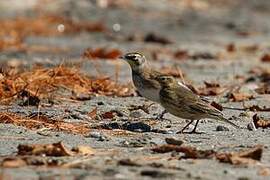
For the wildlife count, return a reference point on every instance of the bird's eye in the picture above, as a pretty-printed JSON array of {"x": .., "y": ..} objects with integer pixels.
[{"x": 134, "y": 58}]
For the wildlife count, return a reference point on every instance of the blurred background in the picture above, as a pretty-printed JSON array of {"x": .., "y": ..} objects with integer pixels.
[{"x": 168, "y": 32}]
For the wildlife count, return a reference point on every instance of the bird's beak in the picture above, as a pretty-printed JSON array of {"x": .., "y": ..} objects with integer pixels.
[{"x": 121, "y": 57}]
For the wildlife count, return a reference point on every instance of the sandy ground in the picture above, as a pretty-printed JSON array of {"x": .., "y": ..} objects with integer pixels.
[{"x": 202, "y": 26}]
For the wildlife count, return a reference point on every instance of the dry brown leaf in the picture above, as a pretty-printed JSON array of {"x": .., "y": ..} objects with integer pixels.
[
  {"x": 13, "y": 163},
  {"x": 93, "y": 114},
  {"x": 262, "y": 73},
  {"x": 101, "y": 53},
  {"x": 263, "y": 89},
  {"x": 210, "y": 89},
  {"x": 84, "y": 150},
  {"x": 41, "y": 83},
  {"x": 108, "y": 115},
  {"x": 203, "y": 55},
  {"x": 190, "y": 152},
  {"x": 231, "y": 47},
  {"x": 41, "y": 121},
  {"x": 245, "y": 33},
  {"x": 236, "y": 160},
  {"x": 264, "y": 172},
  {"x": 181, "y": 54},
  {"x": 259, "y": 122},
  {"x": 154, "y": 38},
  {"x": 128, "y": 162},
  {"x": 265, "y": 58},
  {"x": 249, "y": 156},
  {"x": 55, "y": 149},
  {"x": 250, "y": 48},
  {"x": 236, "y": 97}
]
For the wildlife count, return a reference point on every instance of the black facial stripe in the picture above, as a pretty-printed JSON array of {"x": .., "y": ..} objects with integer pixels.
[{"x": 133, "y": 55}]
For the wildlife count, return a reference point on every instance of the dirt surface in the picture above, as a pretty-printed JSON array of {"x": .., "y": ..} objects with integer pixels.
[{"x": 216, "y": 41}]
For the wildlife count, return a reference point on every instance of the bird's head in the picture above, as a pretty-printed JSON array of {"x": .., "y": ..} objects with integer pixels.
[
  {"x": 135, "y": 60},
  {"x": 165, "y": 80}
]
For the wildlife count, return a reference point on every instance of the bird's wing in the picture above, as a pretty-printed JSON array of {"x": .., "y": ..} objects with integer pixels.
[
  {"x": 148, "y": 77},
  {"x": 194, "y": 101},
  {"x": 204, "y": 107},
  {"x": 185, "y": 93}
]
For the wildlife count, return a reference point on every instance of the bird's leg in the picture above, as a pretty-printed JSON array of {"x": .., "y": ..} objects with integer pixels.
[
  {"x": 194, "y": 129},
  {"x": 182, "y": 130}
]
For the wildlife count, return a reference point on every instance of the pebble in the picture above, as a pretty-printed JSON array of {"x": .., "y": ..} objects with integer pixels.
[
  {"x": 222, "y": 128},
  {"x": 103, "y": 138},
  {"x": 100, "y": 103},
  {"x": 99, "y": 136},
  {"x": 174, "y": 141},
  {"x": 137, "y": 127},
  {"x": 94, "y": 135},
  {"x": 135, "y": 114},
  {"x": 156, "y": 173},
  {"x": 162, "y": 131}
]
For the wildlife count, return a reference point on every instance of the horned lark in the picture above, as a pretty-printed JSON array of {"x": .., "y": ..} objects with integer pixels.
[
  {"x": 185, "y": 104},
  {"x": 144, "y": 77}
]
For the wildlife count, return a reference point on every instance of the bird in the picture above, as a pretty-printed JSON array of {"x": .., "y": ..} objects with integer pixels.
[
  {"x": 144, "y": 78},
  {"x": 185, "y": 104}
]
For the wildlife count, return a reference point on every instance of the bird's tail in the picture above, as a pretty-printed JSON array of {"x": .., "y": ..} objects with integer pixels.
[
  {"x": 223, "y": 119},
  {"x": 227, "y": 121}
]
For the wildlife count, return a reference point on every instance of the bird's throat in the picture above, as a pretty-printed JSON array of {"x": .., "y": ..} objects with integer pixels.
[{"x": 140, "y": 69}]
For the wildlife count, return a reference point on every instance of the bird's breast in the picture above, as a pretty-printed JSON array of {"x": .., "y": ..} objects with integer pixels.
[
  {"x": 146, "y": 88},
  {"x": 151, "y": 94}
]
